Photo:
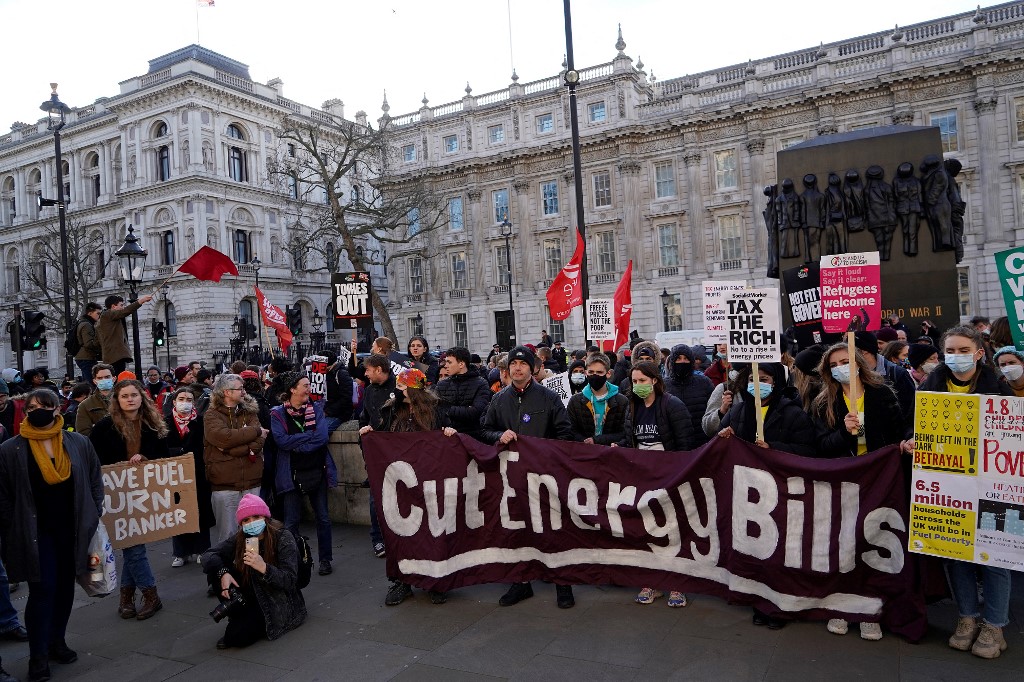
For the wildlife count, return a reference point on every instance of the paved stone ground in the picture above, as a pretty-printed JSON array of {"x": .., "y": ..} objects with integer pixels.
[{"x": 351, "y": 635}]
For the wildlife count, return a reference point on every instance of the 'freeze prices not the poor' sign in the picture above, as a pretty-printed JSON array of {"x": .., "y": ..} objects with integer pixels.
[
  {"x": 851, "y": 285},
  {"x": 754, "y": 325},
  {"x": 600, "y": 323}
]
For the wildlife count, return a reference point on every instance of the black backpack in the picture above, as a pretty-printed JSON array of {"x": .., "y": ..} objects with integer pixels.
[
  {"x": 71, "y": 343},
  {"x": 305, "y": 570}
]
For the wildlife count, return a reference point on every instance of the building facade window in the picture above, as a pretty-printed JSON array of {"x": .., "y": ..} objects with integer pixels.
[
  {"x": 945, "y": 121},
  {"x": 1018, "y": 118},
  {"x": 501, "y": 265},
  {"x": 293, "y": 186},
  {"x": 95, "y": 190},
  {"x": 357, "y": 195},
  {"x": 163, "y": 163},
  {"x": 451, "y": 144},
  {"x": 235, "y": 132},
  {"x": 172, "y": 320},
  {"x": 552, "y": 257},
  {"x": 668, "y": 246},
  {"x": 500, "y": 200},
  {"x": 458, "y": 263},
  {"x": 495, "y": 134},
  {"x": 730, "y": 237},
  {"x": 606, "y": 262},
  {"x": 787, "y": 142},
  {"x": 415, "y": 275},
  {"x": 409, "y": 153},
  {"x": 455, "y": 221},
  {"x": 672, "y": 313},
  {"x": 246, "y": 312},
  {"x": 415, "y": 326},
  {"x": 329, "y": 317},
  {"x": 331, "y": 257},
  {"x": 460, "y": 331},
  {"x": 291, "y": 150},
  {"x": 168, "y": 247},
  {"x": 160, "y": 130},
  {"x": 236, "y": 164},
  {"x": 664, "y": 180},
  {"x": 545, "y": 123},
  {"x": 555, "y": 327},
  {"x": 413, "y": 218},
  {"x": 963, "y": 280},
  {"x": 241, "y": 246},
  {"x": 549, "y": 194},
  {"x": 596, "y": 112},
  {"x": 602, "y": 189},
  {"x": 725, "y": 169}
]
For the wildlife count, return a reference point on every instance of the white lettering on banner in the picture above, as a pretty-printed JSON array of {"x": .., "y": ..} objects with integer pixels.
[
  {"x": 507, "y": 493},
  {"x": 405, "y": 526},
  {"x": 746, "y": 513},
  {"x": 472, "y": 484},
  {"x": 352, "y": 299},
  {"x": 589, "y": 506}
]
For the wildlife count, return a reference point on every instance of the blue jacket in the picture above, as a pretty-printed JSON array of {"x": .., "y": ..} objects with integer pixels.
[{"x": 309, "y": 443}]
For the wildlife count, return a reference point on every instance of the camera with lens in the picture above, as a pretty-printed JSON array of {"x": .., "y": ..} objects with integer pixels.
[{"x": 235, "y": 601}]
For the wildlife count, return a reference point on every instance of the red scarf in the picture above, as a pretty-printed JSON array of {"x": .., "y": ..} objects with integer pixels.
[{"x": 182, "y": 423}]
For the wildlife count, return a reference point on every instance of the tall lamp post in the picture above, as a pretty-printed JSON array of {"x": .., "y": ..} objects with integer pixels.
[
  {"x": 164, "y": 290},
  {"x": 506, "y": 232},
  {"x": 572, "y": 79},
  {"x": 132, "y": 261},
  {"x": 316, "y": 338},
  {"x": 666, "y": 300},
  {"x": 237, "y": 341},
  {"x": 419, "y": 325},
  {"x": 57, "y": 112},
  {"x": 255, "y": 263}
]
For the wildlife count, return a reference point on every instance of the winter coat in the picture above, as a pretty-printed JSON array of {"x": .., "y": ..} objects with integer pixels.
[
  {"x": 900, "y": 381},
  {"x": 339, "y": 393},
  {"x": 463, "y": 399},
  {"x": 89, "y": 343},
  {"x": 92, "y": 409},
  {"x": 617, "y": 427},
  {"x": 303, "y": 450},
  {"x": 786, "y": 426},
  {"x": 279, "y": 598},
  {"x": 376, "y": 413},
  {"x": 193, "y": 442},
  {"x": 675, "y": 426},
  {"x": 712, "y": 421},
  {"x": 534, "y": 411},
  {"x": 12, "y": 415},
  {"x": 18, "y": 525},
  {"x": 112, "y": 332},
  {"x": 988, "y": 382},
  {"x": 718, "y": 372},
  {"x": 694, "y": 391},
  {"x": 111, "y": 448},
  {"x": 883, "y": 424},
  {"x": 230, "y": 434}
]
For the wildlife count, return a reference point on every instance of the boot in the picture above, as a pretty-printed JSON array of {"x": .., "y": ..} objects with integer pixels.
[
  {"x": 126, "y": 609},
  {"x": 150, "y": 603}
]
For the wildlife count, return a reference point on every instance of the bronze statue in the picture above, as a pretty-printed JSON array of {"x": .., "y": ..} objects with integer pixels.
[
  {"x": 881, "y": 210},
  {"x": 835, "y": 233},
  {"x": 935, "y": 190},
  {"x": 789, "y": 215},
  {"x": 772, "y": 225},
  {"x": 815, "y": 206},
  {"x": 853, "y": 194},
  {"x": 957, "y": 205},
  {"x": 907, "y": 189}
]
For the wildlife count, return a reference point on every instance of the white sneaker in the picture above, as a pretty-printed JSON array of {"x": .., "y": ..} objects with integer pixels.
[
  {"x": 177, "y": 562},
  {"x": 871, "y": 631},
  {"x": 838, "y": 626}
]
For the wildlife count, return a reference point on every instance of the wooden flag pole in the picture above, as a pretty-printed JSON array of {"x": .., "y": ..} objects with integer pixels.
[
  {"x": 758, "y": 415},
  {"x": 851, "y": 348}
]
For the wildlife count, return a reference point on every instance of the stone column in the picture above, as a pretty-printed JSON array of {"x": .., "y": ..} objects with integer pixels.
[
  {"x": 755, "y": 150},
  {"x": 632, "y": 221},
  {"x": 988, "y": 168},
  {"x": 21, "y": 193},
  {"x": 195, "y": 138},
  {"x": 219, "y": 164},
  {"x": 177, "y": 166},
  {"x": 698, "y": 256},
  {"x": 105, "y": 173},
  {"x": 75, "y": 179},
  {"x": 477, "y": 223},
  {"x": 522, "y": 240},
  {"x": 141, "y": 164}
]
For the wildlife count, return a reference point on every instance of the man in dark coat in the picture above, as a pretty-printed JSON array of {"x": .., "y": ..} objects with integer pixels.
[
  {"x": 693, "y": 389},
  {"x": 112, "y": 330},
  {"x": 380, "y": 398},
  {"x": 338, "y": 408},
  {"x": 89, "y": 349},
  {"x": 526, "y": 408},
  {"x": 464, "y": 395}
]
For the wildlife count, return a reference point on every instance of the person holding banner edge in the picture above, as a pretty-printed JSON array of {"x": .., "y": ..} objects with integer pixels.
[
  {"x": 963, "y": 370},
  {"x": 1010, "y": 362}
]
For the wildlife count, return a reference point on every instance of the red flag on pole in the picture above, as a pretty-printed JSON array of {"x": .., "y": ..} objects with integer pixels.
[
  {"x": 209, "y": 265},
  {"x": 623, "y": 301},
  {"x": 565, "y": 292},
  {"x": 274, "y": 317}
]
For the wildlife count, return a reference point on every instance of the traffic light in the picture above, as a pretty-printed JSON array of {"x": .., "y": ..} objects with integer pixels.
[
  {"x": 159, "y": 333},
  {"x": 294, "y": 319},
  {"x": 251, "y": 329},
  {"x": 33, "y": 335}
]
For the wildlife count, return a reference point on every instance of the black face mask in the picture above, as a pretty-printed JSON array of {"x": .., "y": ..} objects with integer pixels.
[
  {"x": 40, "y": 417},
  {"x": 682, "y": 370},
  {"x": 596, "y": 382}
]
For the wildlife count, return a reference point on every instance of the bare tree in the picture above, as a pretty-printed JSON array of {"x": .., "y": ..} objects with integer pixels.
[
  {"x": 321, "y": 158},
  {"x": 86, "y": 248}
]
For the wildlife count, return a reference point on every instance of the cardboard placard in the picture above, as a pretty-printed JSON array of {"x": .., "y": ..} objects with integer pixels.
[
  {"x": 600, "y": 321},
  {"x": 715, "y": 324},
  {"x": 803, "y": 299},
  {"x": 317, "y": 374},
  {"x": 560, "y": 385},
  {"x": 352, "y": 296},
  {"x": 150, "y": 501},
  {"x": 754, "y": 325},
  {"x": 1010, "y": 266},
  {"x": 851, "y": 284}
]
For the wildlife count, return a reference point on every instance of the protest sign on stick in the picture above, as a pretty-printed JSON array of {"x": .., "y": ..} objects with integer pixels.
[
  {"x": 150, "y": 501},
  {"x": 715, "y": 324},
  {"x": 754, "y": 324},
  {"x": 600, "y": 319},
  {"x": 317, "y": 374},
  {"x": 851, "y": 286}
]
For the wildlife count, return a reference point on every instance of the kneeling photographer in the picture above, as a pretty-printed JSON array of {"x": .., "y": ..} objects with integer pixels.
[{"x": 256, "y": 570}]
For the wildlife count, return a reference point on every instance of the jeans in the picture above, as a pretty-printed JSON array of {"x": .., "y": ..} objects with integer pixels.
[
  {"x": 225, "y": 504},
  {"x": 86, "y": 367},
  {"x": 135, "y": 571},
  {"x": 8, "y": 614},
  {"x": 292, "y": 503},
  {"x": 49, "y": 600},
  {"x": 332, "y": 424},
  {"x": 375, "y": 535},
  {"x": 963, "y": 582}
]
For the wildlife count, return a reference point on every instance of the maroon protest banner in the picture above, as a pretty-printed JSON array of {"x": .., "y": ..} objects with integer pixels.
[{"x": 803, "y": 537}]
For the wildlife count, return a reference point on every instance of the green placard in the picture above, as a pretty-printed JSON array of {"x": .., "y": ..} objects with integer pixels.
[{"x": 1010, "y": 266}]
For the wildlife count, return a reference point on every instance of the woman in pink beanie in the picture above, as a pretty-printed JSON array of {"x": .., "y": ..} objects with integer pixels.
[{"x": 258, "y": 585}]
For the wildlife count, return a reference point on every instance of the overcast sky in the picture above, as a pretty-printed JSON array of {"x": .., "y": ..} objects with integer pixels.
[{"x": 355, "y": 50}]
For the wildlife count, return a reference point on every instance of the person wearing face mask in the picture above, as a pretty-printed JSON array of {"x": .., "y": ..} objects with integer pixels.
[
  {"x": 923, "y": 359},
  {"x": 94, "y": 408},
  {"x": 185, "y": 434},
  {"x": 265, "y": 577},
  {"x": 693, "y": 389},
  {"x": 1010, "y": 362},
  {"x": 577, "y": 376},
  {"x": 722, "y": 399},
  {"x": 786, "y": 426},
  {"x": 718, "y": 371},
  {"x": 598, "y": 412},
  {"x": 51, "y": 498}
]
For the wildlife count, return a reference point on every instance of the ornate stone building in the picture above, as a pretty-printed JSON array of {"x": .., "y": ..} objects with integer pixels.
[
  {"x": 674, "y": 171},
  {"x": 182, "y": 154}
]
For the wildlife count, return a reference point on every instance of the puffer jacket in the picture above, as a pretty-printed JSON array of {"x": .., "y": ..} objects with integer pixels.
[
  {"x": 616, "y": 428},
  {"x": 534, "y": 411},
  {"x": 786, "y": 426},
  {"x": 674, "y": 423},
  {"x": 694, "y": 390},
  {"x": 463, "y": 399},
  {"x": 230, "y": 435}
]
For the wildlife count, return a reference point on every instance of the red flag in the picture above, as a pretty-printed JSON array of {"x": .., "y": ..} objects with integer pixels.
[
  {"x": 565, "y": 292},
  {"x": 274, "y": 317},
  {"x": 623, "y": 301},
  {"x": 209, "y": 265}
]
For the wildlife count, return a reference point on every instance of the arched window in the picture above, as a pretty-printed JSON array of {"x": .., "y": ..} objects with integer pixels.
[
  {"x": 172, "y": 320},
  {"x": 163, "y": 163},
  {"x": 12, "y": 273},
  {"x": 65, "y": 169},
  {"x": 39, "y": 266},
  {"x": 236, "y": 164},
  {"x": 329, "y": 317},
  {"x": 241, "y": 246},
  {"x": 235, "y": 132},
  {"x": 293, "y": 186},
  {"x": 168, "y": 247},
  {"x": 160, "y": 130},
  {"x": 246, "y": 312}
]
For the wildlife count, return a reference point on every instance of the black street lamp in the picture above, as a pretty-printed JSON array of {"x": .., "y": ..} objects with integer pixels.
[
  {"x": 237, "y": 342},
  {"x": 666, "y": 300},
  {"x": 164, "y": 290},
  {"x": 132, "y": 261},
  {"x": 419, "y": 325},
  {"x": 506, "y": 232},
  {"x": 255, "y": 263},
  {"x": 572, "y": 80},
  {"x": 316, "y": 338},
  {"x": 56, "y": 112}
]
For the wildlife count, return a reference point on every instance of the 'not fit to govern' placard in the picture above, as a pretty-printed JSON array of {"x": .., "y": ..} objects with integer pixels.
[{"x": 755, "y": 326}]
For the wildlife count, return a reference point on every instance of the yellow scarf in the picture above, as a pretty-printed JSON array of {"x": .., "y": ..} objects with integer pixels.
[{"x": 58, "y": 469}]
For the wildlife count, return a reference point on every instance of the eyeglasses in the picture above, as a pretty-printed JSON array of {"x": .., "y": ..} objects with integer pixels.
[{"x": 240, "y": 388}]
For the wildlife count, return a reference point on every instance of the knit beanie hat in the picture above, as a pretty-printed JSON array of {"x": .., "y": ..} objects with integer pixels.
[
  {"x": 180, "y": 372},
  {"x": 412, "y": 378},
  {"x": 1012, "y": 350},
  {"x": 886, "y": 334},
  {"x": 919, "y": 353},
  {"x": 251, "y": 505}
]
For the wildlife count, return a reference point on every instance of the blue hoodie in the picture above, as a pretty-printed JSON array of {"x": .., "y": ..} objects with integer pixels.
[{"x": 599, "y": 404}]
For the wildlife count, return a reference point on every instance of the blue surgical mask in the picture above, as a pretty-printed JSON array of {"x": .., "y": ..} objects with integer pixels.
[
  {"x": 105, "y": 384},
  {"x": 766, "y": 389},
  {"x": 960, "y": 363},
  {"x": 841, "y": 373},
  {"x": 254, "y": 528}
]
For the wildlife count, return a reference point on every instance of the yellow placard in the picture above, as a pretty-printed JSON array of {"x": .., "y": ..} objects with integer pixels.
[
  {"x": 942, "y": 532},
  {"x": 946, "y": 432}
]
